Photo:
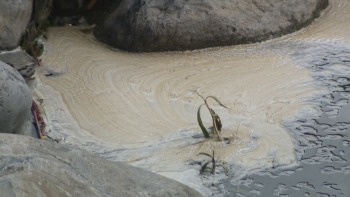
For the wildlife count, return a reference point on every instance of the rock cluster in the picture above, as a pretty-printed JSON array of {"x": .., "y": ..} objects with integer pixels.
[{"x": 168, "y": 25}]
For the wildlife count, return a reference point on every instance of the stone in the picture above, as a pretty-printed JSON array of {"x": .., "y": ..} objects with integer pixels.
[
  {"x": 178, "y": 25},
  {"x": 20, "y": 61},
  {"x": 15, "y": 102},
  {"x": 14, "y": 18},
  {"x": 33, "y": 167}
]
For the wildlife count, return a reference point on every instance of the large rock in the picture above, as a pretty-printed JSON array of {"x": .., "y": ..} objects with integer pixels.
[
  {"x": 167, "y": 25},
  {"x": 14, "y": 18},
  {"x": 32, "y": 167},
  {"x": 15, "y": 102}
]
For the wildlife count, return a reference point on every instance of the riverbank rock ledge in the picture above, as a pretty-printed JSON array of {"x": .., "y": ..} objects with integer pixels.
[
  {"x": 15, "y": 102},
  {"x": 32, "y": 167},
  {"x": 14, "y": 18},
  {"x": 168, "y": 25}
]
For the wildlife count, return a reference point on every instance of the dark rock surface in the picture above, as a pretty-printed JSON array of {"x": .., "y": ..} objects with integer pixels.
[
  {"x": 14, "y": 18},
  {"x": 168, "y": 25},
  {"x": 15, "y": 102},
  {"x": 42, "y": 10},
  {"x": 67, "y": 7},
  {"x": 32, "y": 167}
]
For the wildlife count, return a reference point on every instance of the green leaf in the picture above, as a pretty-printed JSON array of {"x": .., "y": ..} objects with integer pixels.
[
  {"x": 217, "y": 100},
  {"x": 206, "y": 154},
  {"x": 216, "y": 118},
  {"x": 204, "y": 130},
  {"x": 203, "y": 167},
  {"x": 227, "y": 171},
  {"x": 217, "y": 121}
]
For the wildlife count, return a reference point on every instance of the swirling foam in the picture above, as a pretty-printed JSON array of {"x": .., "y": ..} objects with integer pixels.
[{"x": 141, "y": 108}]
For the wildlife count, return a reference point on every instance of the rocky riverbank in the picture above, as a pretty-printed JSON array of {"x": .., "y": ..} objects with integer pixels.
[{"x": 167, "y": 25}]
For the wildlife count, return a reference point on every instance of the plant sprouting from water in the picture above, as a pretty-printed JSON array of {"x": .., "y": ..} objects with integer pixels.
[
  {"x": 213, "y": 164},
  {"x": 216, "y": 119}
]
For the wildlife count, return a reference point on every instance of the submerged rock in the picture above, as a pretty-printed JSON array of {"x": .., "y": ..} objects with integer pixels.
[
  {"x": 40, "y": 168},
  {"x": 14, "y": 18},
  {"x": 15, "y": 102},
  {"x": 168, "y": 25}
]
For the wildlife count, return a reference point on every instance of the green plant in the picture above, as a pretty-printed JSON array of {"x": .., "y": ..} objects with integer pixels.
[
  {"x": 216, "y": 119},
  {"x": 213, "y": 163}
]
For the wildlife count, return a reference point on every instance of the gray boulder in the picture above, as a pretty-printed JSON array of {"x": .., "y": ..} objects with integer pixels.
[
  {"x": 14, "y": 18},
  {"x": 172, "y": 25},
  {"x": 32, "y": 167},
  {"x": 15, "y": 102}
]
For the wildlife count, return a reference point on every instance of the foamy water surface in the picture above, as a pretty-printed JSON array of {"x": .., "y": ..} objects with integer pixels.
[{"x": 141, "y": 108}]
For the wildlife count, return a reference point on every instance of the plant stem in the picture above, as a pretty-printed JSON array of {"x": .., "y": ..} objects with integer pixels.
[
  {"x": 37, "y": 121},
  {"x": 213, "y": 116},
  {"x": 213, "y": 161},
  {"x": 214, "y": 123},
  {"x": 30, "y": 43}
]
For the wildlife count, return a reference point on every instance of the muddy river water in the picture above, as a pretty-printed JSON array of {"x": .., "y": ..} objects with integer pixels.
[{"x": 287, "y": 114}]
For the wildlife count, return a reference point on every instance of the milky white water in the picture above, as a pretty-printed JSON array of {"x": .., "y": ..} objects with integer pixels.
[{"x": 141, "y": 108}]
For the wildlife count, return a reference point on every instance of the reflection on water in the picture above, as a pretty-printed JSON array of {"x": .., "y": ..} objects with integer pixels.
[{"x": 286, "y": 99}]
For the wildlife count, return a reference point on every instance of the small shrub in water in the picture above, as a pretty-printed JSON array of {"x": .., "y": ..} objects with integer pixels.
[{"x": 213, "y": 163}]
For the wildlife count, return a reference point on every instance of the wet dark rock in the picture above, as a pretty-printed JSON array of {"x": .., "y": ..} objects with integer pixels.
[
  {"x": 168, "y": 25},
  {"x": 15, "y": 102},
  {"x": 14, "y": 18},
  {"x": 40, "y": 168},
  {"x": 42, "y": 10},
  {"x": 67, "y": 7}
]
